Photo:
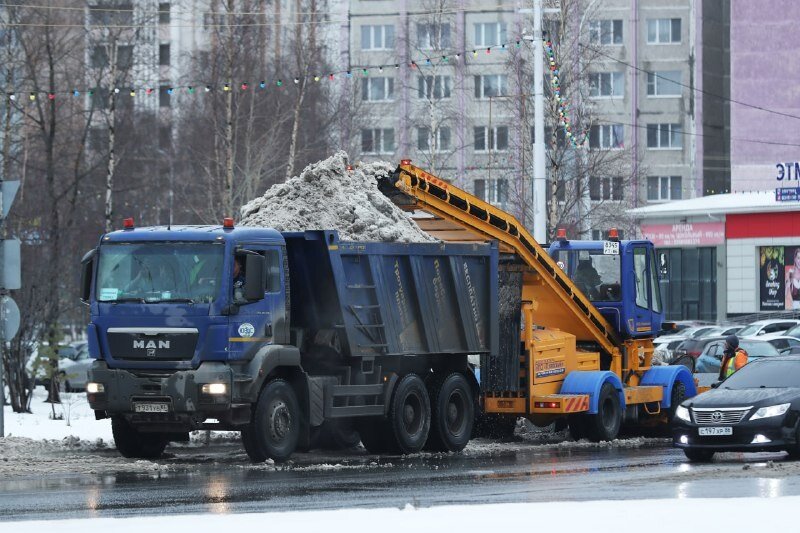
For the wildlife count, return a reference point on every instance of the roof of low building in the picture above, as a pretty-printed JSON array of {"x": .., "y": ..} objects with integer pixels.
[{"x": 717, "y": 204}]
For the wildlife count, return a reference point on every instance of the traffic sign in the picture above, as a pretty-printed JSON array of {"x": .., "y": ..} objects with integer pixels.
[
  {"x": 10, "y": 278},
  {"x": 9, "y": 318}
]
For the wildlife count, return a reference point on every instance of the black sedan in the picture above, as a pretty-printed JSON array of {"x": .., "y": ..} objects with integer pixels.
[{"x": 756, "y": 409}]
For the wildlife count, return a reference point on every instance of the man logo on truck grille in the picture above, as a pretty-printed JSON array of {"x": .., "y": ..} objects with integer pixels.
[{"x": 150, "y": 345}]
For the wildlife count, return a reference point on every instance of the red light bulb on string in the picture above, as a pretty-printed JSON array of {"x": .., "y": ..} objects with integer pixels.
[
  {"x": 149, "y": 91},
  {"x": 51, "y": 96},
  {"x": 244, "y": 86}
]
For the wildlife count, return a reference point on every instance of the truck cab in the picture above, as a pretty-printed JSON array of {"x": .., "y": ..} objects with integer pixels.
[{"x": 620, "y": 278}]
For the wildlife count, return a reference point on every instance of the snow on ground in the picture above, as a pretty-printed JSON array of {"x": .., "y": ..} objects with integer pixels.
[
  {"x": 328, "y": 196},
  {"x": 656, "y": 516},
  {"x": 77, "y": 420}
]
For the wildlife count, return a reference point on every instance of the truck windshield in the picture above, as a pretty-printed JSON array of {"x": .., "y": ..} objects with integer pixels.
[
  {"x": 159, "y": 272},
  {"x": 596, "y": 274}
]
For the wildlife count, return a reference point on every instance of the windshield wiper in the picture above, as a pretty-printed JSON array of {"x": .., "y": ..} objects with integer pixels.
[
  {"x": 170, "y": 300},
  {"x": 123, "y": 300}
]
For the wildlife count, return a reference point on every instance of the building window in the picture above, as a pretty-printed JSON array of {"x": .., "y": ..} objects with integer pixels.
[
  {"x": 163, "y": 13},
  {"x": 607, "y": 136},
  {"x": 487, "y": 139},
  {"x": 664, "y": 83},
  {"x": 491, "y": 85},
  {"x": 377, "y": 141},
  {"x": 433, "y": 87},
  {"x": 667, "y": 136},
  {"x": 164, "y": 96},
  {"x": 125, "y": 56},
  {"x": 490, "y": 34},
  {"x": 605, "y": 31},
  {"x": 377, "y": 89},
  {"x": 99, "y": 57},
  {"x": 662, "y": 188},
  {"x": 492, "y": 191},
  {"x": 606, "y": 84},
  {"x": 663, "y": 31},
  {"x": 163, "y": 55},
  {"x": 377, "y": 37},
  {"x": 441, "y": 141},
  {"x": 433, "y": 36},
  {"x": 111, "y": 13},
  {"x": 605, "y": 189}
]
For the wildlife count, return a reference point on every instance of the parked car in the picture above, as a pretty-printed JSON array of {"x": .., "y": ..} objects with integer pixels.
[
  {"x": 721, "y": 331},
  {"x": 780, "y": 341},
  {"x": 696, "y": 347},
  {"x": 763, "y": 327},
  {"x": 793, "y": 332},
  {"x": 755, "y": 409},
  {"x": 677, "y": 327},
  {"x": 711, "y": 358},
  {"x": 73, "y": 366},
  {"x": 666, "y": 344}
]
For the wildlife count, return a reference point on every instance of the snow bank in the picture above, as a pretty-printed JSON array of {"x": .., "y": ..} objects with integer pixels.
[
  {"x": 328, "y": 196},
  {"x": 656, "y": 516}
]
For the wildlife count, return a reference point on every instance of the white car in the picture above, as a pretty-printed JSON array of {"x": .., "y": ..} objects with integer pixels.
[
  {"x": 780, "y": 341},
  {"x": 764, "y": 327}
]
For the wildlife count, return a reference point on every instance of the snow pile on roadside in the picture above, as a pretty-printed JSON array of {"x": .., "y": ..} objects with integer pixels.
[
  {"x": 328, "y": 196},
  {"x": 658, "y": 516}
]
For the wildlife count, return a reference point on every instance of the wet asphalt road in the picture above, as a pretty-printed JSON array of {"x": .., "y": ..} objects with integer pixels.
[{"x": 219, "y": 480}]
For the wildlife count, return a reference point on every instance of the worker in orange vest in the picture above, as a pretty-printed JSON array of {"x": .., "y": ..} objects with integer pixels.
[{"x": 733, "y": 358}]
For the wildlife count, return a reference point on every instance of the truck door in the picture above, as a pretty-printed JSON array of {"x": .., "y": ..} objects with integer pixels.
[
  {"x": 257, "y": 322},
  {"x": 647, "y": 309}
]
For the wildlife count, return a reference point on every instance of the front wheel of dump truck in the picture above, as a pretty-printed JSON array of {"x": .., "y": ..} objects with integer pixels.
[
  {"x": 452, "y": 414},
  {"x": 604, "y": 425},
  {"x": 136, "y": 444},
  {"x": 275, "y": 428},
  {"x": 409, "y": 415}
]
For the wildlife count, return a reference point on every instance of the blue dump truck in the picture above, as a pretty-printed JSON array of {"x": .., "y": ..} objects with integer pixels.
[
  {"x": 295, "y": 339},
  {"x": 285, "y": 337}
]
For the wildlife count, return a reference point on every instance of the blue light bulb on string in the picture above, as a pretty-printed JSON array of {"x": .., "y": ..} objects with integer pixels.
[
  {"x": 76, "y": 92},
  {"x": 262, "y": 85}
]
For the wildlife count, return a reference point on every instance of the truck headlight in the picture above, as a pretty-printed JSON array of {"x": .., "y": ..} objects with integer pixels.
[
  {"x": 682, "y": 413},
  {"x": 214, "y": 388},
  {"x": 772, "y": 410},
  {"x": 94, "y": 388}
]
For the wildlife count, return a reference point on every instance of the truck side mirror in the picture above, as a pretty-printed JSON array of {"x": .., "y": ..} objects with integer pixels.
[
  {"x": 87, "y": 266},
  {"x": 256, "y": 281}
]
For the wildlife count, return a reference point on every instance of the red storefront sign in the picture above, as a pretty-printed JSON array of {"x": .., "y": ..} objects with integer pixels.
[{"x": 695, "y": 234}]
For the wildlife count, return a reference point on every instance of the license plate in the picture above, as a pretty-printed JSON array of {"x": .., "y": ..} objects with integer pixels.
[
  {"x": 715, "y": 432},
  {"x": 151, "y": 407}
]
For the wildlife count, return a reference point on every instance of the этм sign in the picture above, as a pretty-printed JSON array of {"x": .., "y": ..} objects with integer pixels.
[{"x": 787, "y": 172}]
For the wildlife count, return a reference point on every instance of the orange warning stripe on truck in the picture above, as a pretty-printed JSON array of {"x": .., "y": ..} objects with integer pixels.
[{"x": 560, "y": 403}]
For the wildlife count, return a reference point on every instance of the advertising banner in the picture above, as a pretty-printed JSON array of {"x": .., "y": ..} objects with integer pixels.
[
  {"x": 695, "y": 234},
  {"x": 792, "y": 277},
  {"x": 771, "y": 279}
]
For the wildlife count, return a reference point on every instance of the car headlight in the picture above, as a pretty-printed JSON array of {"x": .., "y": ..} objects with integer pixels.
[
  {"x": 95, "y": 388},
  {"x": 682, "y": 413},
  {"x": 772, "y": 410}
]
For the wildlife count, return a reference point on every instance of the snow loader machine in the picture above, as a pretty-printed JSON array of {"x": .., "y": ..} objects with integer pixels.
[{"x": 577, "y": 321}]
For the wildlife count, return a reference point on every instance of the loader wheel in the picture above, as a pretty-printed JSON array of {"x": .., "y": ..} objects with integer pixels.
[
  {"x": 452, "y": 414},
  {"x": 276, "y": 424},
  {"x": 604, "y": 425},
  {"x": 409, "y": 415},
  {"x": 133, "y": 443}
]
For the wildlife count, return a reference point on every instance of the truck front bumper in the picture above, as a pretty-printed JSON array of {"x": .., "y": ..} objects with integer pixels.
[{"x": 187, "y": 406}]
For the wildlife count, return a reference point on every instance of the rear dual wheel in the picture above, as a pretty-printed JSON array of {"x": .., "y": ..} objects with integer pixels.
[{"x": 452, "y": 413}]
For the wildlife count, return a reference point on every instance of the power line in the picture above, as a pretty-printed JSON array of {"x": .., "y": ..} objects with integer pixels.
[
  {"x": 691, "y": 87},
  {"x": 695, "y": 134}
]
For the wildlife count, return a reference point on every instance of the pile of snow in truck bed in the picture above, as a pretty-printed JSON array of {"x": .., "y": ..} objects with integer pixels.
[{"x": 328, "y": 196}]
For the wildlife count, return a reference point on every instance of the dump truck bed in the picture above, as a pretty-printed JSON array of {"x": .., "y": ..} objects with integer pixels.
[{"x": 390, "y": 299}]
